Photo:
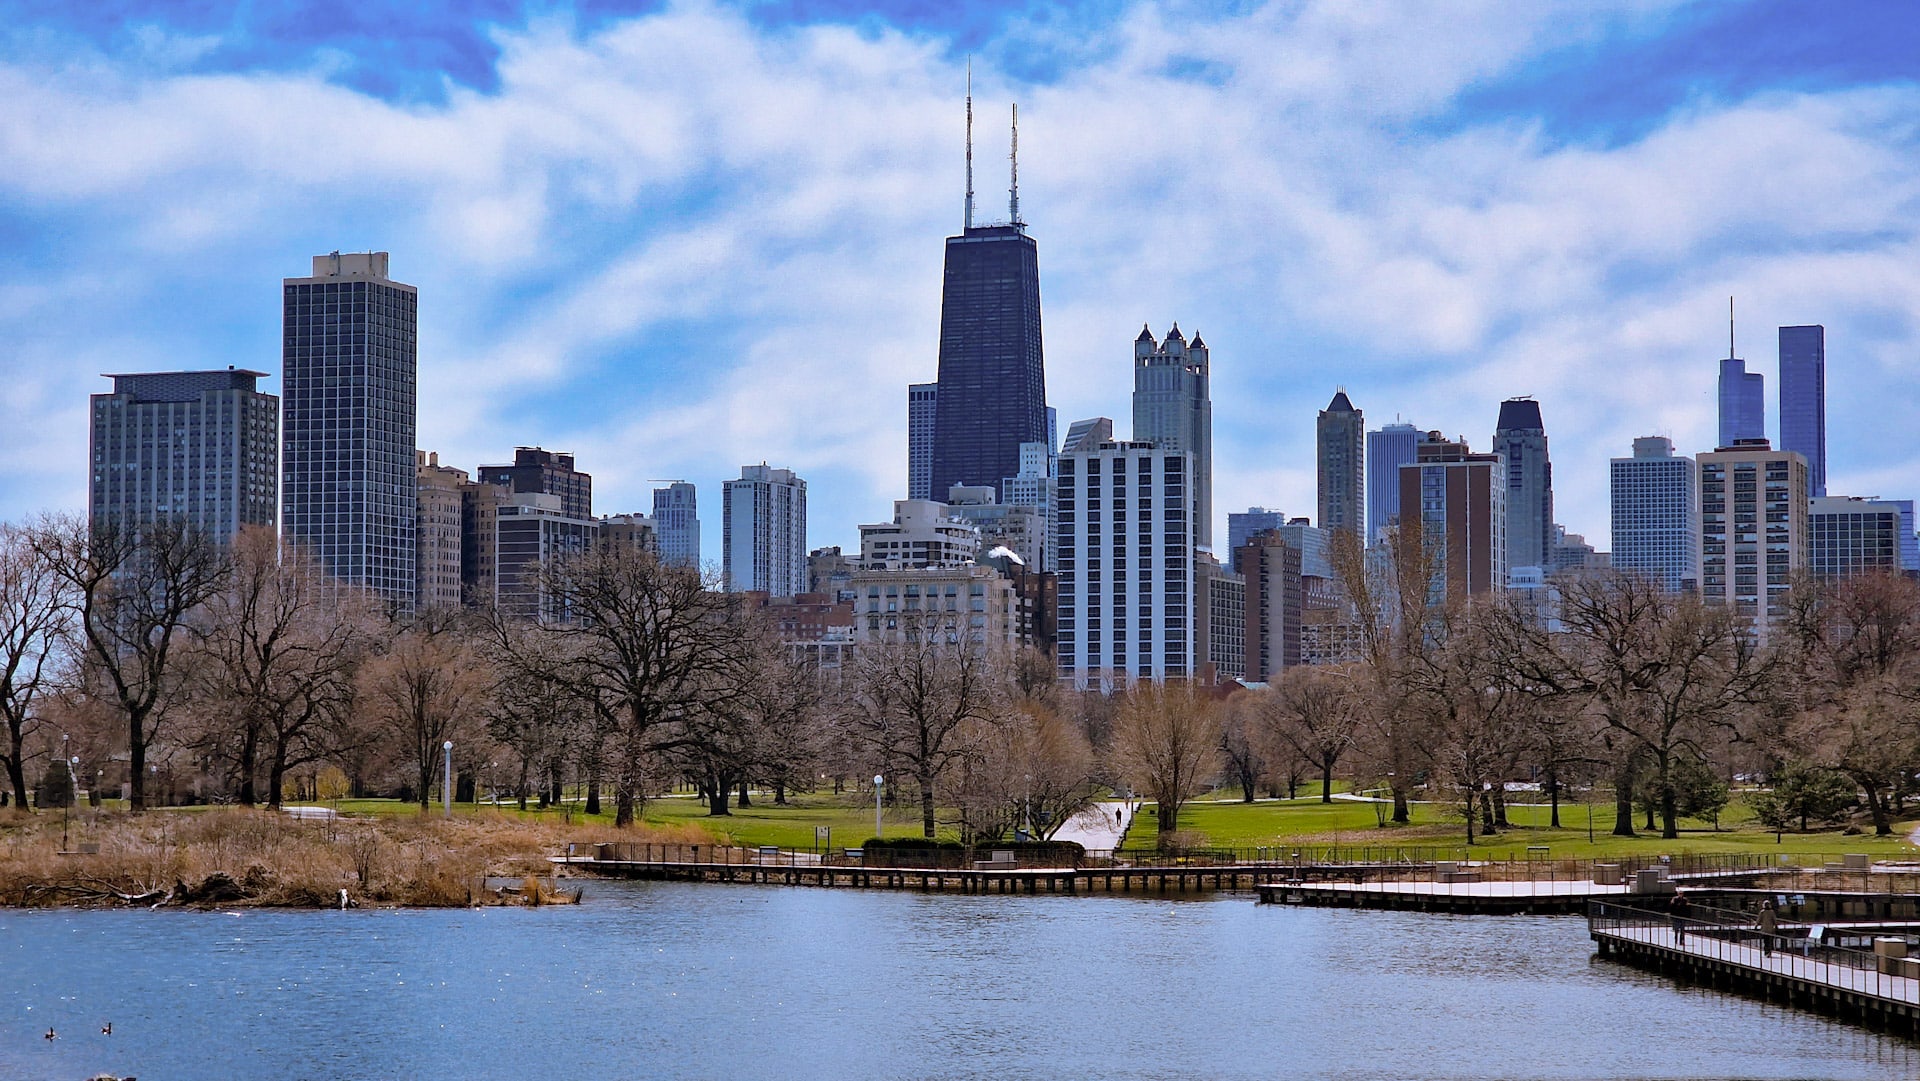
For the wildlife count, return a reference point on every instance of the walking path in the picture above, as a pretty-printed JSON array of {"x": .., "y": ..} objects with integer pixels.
[{"x": 1100, "y": 827}]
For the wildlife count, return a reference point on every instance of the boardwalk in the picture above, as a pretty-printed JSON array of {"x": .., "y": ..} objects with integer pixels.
[
  {"x": 1537, "y": 896},
  {"x": 1725, "y": 952}
]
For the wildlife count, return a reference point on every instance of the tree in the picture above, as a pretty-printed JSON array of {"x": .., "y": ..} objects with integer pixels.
[
  {"x": 283, "y": 640},
  {"x": 1800, "y": 793},
  {"x": 429, "y": 686},
  {"x": 1166, "y": 744},
  {"x": 647, "y": 646},
  {"x": 36, "y": 623},
  {"x": 1391, "y": 595},
  {"x": 1698, "y": 792},
  {"x": 1464, "y": 689},
  {"x": 758, "y": 733},
  {"x": 131, "y": 593},
  {"x": 1313, "y": 713},
  {"x": 924, "y": 699}
]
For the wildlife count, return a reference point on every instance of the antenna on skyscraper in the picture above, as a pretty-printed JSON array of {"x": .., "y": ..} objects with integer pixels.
[
  {"x": 1730, "y": 328},
  {"x": 969, "y": 142},
  {"x": 1013, "y": 193}
]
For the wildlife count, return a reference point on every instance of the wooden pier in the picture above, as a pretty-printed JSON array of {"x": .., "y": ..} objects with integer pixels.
[
  {"x": 1031, "y": 880},
  {"x": 1725, "y": 951},
  {"x": 1535, "y": 897}
]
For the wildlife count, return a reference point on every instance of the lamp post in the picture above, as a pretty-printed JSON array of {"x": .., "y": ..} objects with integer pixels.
[
  {"x": 446, "y": 779},
  {"x": 73, "y": 796},
  {"x": 877, "y": 782}
]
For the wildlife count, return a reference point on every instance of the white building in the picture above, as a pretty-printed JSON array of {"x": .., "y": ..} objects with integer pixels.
[
  {"x": 1753, "y": 528},
  {"x": 1033, "y": 490},
  {"x": 1021, "y": 529},
  {"x": 967, "y": 603},
  {"x": 922, "y": 534},
  {"x": 1126, "y": 556},
  {"x": 764, "y": 532},
  {"x": 1656, "y": 514}
]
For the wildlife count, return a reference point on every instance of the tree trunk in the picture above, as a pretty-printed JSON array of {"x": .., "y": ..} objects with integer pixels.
[
  {"x": 1469, "y": 816},
  {"x": 926, "y": 805},
  {"x": 622, "y": 804},
  {"x": 1401, "y": 814},
  {"x": 137, "y": 759},
  {"x": 718, "y": 789},
  {"x": 17, "y": 777},
  {"x": 1623, "y": 799},
  {"x": 276, "y": 783},
  {"x": 1553, "y": 798},
  {"x": 1500, "y": 806},
  {"x": 745, "y": 800},
  {"x": 1326, "y": 781},
  {"x": 249, "y": 764},
  {"x": 593, "y": 795},
  {"x": 1488, "y": 822},
  {"x": 1877, "y": 806}
]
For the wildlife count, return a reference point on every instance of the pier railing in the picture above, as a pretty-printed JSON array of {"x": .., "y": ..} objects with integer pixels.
[{"x": 1732, "y": 937}]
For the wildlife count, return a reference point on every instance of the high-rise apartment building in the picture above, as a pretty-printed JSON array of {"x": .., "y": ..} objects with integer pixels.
[
  {"x": 1028, "y": 491},
  {"x": 534, "y": 530},
  {"x": 543, "y": 472},
  {"x": 1743, "y": 396},
  {"x": 350, "y": 350},
  {"x": 764, "y": 532},
  {"x": 676, "y": 517},
  {"x": 1274, "y": 598},
  {"x": 922, "y": 534},
  {"x": 1088, "y": 433},
  {"x": 1520, "y": 438},
  {"x": 1241, "y": 525},
  {"x": 922, "y": 407},
  {"x": 1388, "y": 449},
  {"x": 1126, "y": 554},
  {"x": 436, "y": 532},
  {"x": 199, "y": 448},
  {"x": 1849, "y": 536},
  {"x": 1803, "y": 400},
  {"x": 1021, "y": 528},
  {"x": 1340, "y": 444},
  {"x": 1462, "y": 519},
  {"x": 1656, "y": 514},
  {"x": 1173, "y": 408},
  {"x": 1753, "y": 529}
]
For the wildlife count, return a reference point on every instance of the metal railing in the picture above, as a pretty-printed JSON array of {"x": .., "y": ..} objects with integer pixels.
[{"x": 1731, "y": 937}]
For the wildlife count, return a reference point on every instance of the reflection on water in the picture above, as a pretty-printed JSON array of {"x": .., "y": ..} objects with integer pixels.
[{"x": 667, "y": 980}]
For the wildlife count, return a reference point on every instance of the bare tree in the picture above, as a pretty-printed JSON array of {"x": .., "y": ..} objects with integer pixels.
[
  {"x": 923, "y": 699},
  {"x": 429, "y": 686},
  {"x": 1166, "y": 744},
  {"x": 1391, "y": 591},
  {"x": 36, "y": 623},
  {"x": 132, "y": 592},
  {"x": 1313, "y": 712},
  {"x": 1463, "y": 685}
]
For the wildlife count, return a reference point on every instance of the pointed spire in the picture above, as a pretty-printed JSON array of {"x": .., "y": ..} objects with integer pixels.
[
  {"x": 1730, "y": 355},
  {"x": 1013, "y": 157},
  {"x": 969, "y": 142},
  {"x": 1175, "y": 335},
  {"x": 1146, "y": 334}
]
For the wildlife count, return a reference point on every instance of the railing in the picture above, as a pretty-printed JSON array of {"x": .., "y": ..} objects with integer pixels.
[{"x": 1731, "y": 937}]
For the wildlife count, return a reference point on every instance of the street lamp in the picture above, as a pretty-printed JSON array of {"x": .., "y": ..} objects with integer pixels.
[
  {"x": 446, "y": 780},
  {"x": 877, "y": 782},
  {"x": 73, "y": 795}
]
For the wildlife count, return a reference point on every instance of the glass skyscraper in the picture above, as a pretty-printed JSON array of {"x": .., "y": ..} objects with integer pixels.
[
  {"x": 1656, "y": 514},
  {"x": 1520, "y": 438},
  {"x": 992, "y": 393},
  {"x": 198, "y": 448},
  {"x": 676, "y": 515},
  {"x": 1743, "y": 402},
  {"x": 1803, "y": 400},
  {"x": 350, "y": 354},
  {"x": 1388, "y": 449},
  {"x": 1340, "y": 439},
  {"x": 1173, "y": 408}
]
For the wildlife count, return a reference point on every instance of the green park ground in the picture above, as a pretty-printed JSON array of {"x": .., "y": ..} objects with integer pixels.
[{"x": 1223, "y": 820}]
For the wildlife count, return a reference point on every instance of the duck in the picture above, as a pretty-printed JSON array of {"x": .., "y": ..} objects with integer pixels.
[
  {"x": 106, "y": 1029},
  {"x": 52, "y": 1035}
]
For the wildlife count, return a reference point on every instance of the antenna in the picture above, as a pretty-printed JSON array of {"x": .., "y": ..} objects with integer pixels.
[
  {"x": 969, "y": 142},
  {"x": 1013, "y": 193},
  {"x": 1730, "y": 328}
]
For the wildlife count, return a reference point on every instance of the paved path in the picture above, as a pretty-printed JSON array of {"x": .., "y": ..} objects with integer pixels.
[{"x": 1099, "y": 827}]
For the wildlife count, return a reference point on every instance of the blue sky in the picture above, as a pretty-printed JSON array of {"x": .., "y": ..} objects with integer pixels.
[{"x": 678, "y": 237}]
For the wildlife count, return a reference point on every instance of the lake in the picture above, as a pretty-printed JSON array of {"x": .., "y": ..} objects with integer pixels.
[{"x": 696, "y": 981}]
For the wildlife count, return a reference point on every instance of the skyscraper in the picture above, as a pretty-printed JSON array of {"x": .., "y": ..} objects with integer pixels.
[
  {"x": 764, "y": 532},
  {"x": 201, "y": 448},
  {"x": 1803, "y": 400},
  {"x": 922, "y": 399},
  {"x": 544, "y": 472},
  {"x": 1172, "y": 408},
  {"x": 1743, "y": 396},
  {"x": 1520, "y": 437},
  {"x": 676, "y": 515},
  {"x": 1462, "y": 516},
  {"x": 438, "y": 543},
  {"x": 1387, "y": 450},
  {"x": 1656, "y": 516},
  {"x": 1753, "y": 529},
  {"x": 1340, "y": 440},
  {"x": 1242, "y": 525},
  {"x": 992, "y": 384},
  {"x": 1850, "y": 536},
  {"x": 350, "y": 360}
]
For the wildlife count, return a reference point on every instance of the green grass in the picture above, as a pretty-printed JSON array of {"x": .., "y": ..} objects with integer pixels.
[{"x": 1227, "y": 822}]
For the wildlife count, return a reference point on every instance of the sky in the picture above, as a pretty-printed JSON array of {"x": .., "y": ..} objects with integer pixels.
[{"x": 675, "y": 238}]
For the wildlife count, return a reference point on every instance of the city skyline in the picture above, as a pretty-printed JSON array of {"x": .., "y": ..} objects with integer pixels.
[{"x": 659, "y": 327}]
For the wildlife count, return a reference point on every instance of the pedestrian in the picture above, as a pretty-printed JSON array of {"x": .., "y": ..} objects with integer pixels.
[
  {"x": 1768, "y": 925},
  {"x": 1679, "y": 909}
]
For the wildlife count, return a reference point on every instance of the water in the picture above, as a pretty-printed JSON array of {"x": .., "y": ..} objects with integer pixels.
[{"x": 690, "y": 981}]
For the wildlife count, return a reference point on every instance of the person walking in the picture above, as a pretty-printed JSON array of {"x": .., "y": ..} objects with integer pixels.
[
  {"x": 1679, "y": 909},
  {"x": 1768, "y": 925}
]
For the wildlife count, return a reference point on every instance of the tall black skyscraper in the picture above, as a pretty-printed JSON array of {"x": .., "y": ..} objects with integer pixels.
[
  {"x": 993, "y": 387},
  {"x": 350, "y": 358},
  {"x": 1803, "y": 400}
]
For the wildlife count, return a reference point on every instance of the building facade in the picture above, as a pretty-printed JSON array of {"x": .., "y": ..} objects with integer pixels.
[
  {"x": 1388, "y": 449},
  {"x": 199, "y": 448},
  {"x": 1340, "y": 454},
  {"x": 1242, "y": 525},
  {"x": 676, "y": 515},
  {"x": 1027, "y": 494},
  {"x": 1461, "y": 498},
  {"x": 1803, "y": 400},
  {"x": 436, "y": 532},
  {"x": 1743, "y": 402},
  {"x": 543, "y": 472},
  {"x": 1173, "y": 408},
  {"x": 764, "y": 532},
  {"x": 964, "y": 604},
  {"x": 1656, "y": 514},
  {"x": 922, "y": 534},
  {"x": 1126, "y": 552},
  {"x": 992, "y": 393},
  {"x": 1753, "y": 529},
  {"x": 350, "y": 361},
  {"x": 1520, "y": 438},
  {"x": 1274, "y": 604},
  {"x": 532, "y": 530},
  {"x": 922, "y": 408},
  {"x": 1849, "y": 536}
]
